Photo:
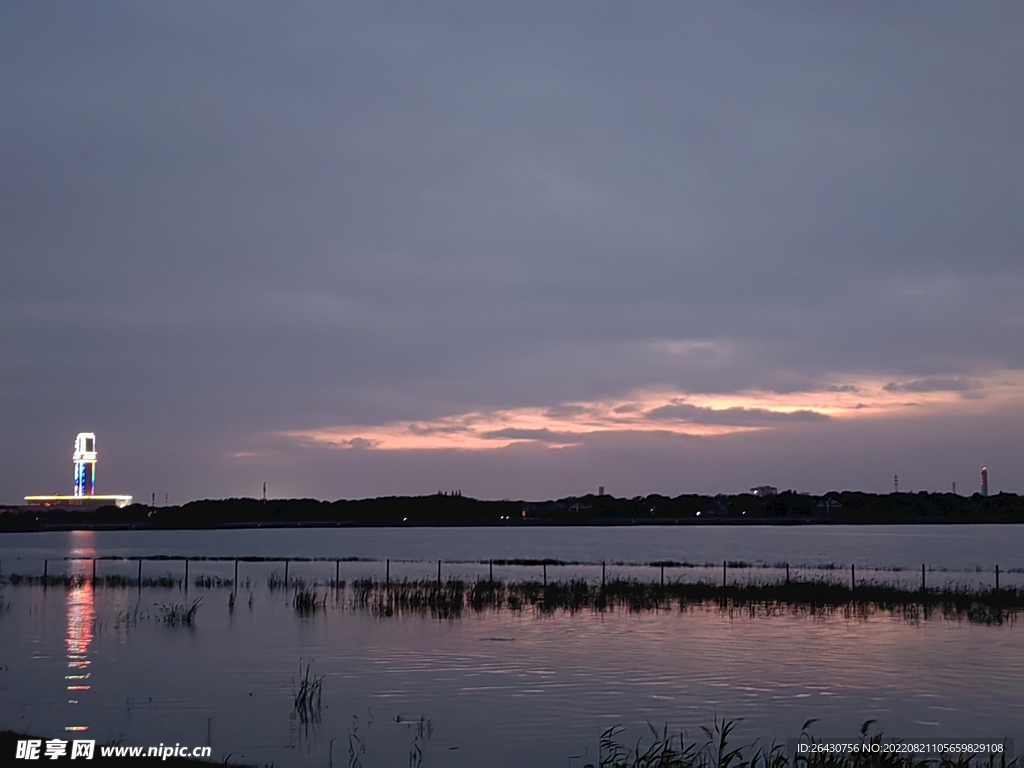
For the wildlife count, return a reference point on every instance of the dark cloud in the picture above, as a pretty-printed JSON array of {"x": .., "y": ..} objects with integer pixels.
[
  {"x": 567, "y": 411},
  {"x": 541, "y": 435},
  {"x": 732, "y": 417},
  {"x": 449, "y": 429},
  {"x": 229, "y": 224},
  {"x": 932, "y": 384}
]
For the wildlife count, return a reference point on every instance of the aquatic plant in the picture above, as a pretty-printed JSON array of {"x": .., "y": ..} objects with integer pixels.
[
  {"x": 671, "y": 751},
  {"x": 308, "y": 601},
  {"x": 356, "y": 747},
  {"x": 212, "y": 582},
  {"x": 275, "y": 581},
  {"x": 307, "y": 694},
  {"x": 445, "y": 599},
  {"x": 449, "y": 599},
  {"x": 177, "y": 614},
  {"x": 129, "y": 617},
  {"x": 424, "y": 730}
]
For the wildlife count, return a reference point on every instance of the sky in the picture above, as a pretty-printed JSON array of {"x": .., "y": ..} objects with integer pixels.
[{"x": 521, "y": 250}]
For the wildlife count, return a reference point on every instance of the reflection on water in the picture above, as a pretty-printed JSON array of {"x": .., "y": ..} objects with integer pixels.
[
  {"x": 81, "y": 613},
  {"x": 410, "y": 672},
  {"x": 505, "y": 687}
]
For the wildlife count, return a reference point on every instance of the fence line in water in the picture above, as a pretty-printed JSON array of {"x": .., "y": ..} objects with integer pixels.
[{"x": 728, "y": 568}]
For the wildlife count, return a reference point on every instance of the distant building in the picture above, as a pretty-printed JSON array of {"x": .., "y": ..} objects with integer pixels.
[
  {"x": 85, "y": 495},
  {"x": 984, "y": 481},
  {"x": 764, "y": 490}
]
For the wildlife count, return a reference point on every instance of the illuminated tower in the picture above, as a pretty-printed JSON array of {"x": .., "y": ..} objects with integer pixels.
[
  {"x": 984, "y": 481},
  {"x": 85, "y": 464}
]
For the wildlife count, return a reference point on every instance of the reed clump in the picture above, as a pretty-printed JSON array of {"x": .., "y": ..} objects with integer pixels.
[
  {"x": 177, "y": 614},
  {"x": 445, "y": 599},
  {"x": 453, "y": 597},
  {"x": 307, "y": 600},
  {"x": 718, "y": 750},
  {"x": 275, "y": 581},
  {"x": 212, "y": 582},
  {"x": 110, "y": 581},
  {"x": 308, "y": 694},
  {"x": 450, "y": 598}
]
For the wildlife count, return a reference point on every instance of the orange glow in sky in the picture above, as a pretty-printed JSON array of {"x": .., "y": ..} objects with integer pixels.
[{"x": 678, "y": 413}]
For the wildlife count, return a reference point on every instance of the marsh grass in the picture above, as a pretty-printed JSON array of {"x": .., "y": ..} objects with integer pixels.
[
  {"x": 110, "y": 581},
  {"x": 718, "y": 750},
  {"x": 307, "y": 600},
  {"x": 307, "y": 694},
  {"x": 445, "y": 599},
  {"x": 275, "y": 581},
  {"x": 212, "y": 582},
  {"x": 452, "y": 598},
  {"x": 177, "y": 614}
]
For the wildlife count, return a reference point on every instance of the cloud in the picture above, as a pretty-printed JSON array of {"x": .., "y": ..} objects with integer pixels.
[
  {"x": 666, "y": 413},
  {"x": 539, "y": 435},
  {"x": 745, "y": 417},
  {"x": 437, "y": 429},
  {"x": 405, "y": 229},
  {"x": 934, "y": 384}
]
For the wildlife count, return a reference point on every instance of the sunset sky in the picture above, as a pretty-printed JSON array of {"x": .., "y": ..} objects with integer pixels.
[{"x": 517, "y": 249}]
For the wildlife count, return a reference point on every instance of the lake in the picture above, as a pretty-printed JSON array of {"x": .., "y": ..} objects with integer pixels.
[{"x": 501, "y": 688}]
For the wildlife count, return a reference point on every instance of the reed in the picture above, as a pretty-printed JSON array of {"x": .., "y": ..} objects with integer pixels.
[
  {"x": 307, "y": 600},
  {"x": 111, "y": 581},
  {"x": 718, "y": 750},
  {"x": 450, "y": 599},
  {"x": 275, "y": 581},
  {"x": 307, "y": 694},
  {"x": 177, "y": 614},
  {"x": 212, "y": 582}
]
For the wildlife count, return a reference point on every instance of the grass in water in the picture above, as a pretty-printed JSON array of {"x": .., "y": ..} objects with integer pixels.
[
  {"x": 452, "y": 598},
  {"x": 307, "y": 600},
  {"x": 307, "y": 695},
  {"x": 177, "y": 614},
  {"x": 718, "y": 751}
]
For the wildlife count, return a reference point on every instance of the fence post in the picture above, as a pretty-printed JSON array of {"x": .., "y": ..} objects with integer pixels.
[
  {"x": 140, "y": 573},
  {"x": 46, "y": 571},
  {"x": 922, "y": 578},
  {"x": 853, "y": 577},
  {"x": 602, "y": 574},
  {"x": 337, "y": 574},
  {"x": 186, "y": 575},
  {"x": 723, "y": 573},
  {"x": 490, "y": 571},
  {"x": 94, "y": 572},
  {"x": 439, "y": 574},
  {"x": 997, "y": 577},
  {"x": 663, "y": 574},
  {"x": 787, "y": 573},
  {"x": 286, "y": 575},
  {"x": 236, "y": 575},
  {"x": 545, "y": 567}
]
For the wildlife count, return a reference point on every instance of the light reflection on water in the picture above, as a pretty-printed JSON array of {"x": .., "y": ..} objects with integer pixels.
[
  {"x": 505, "y": 688},
  {"x": 81, "y": 619}
]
